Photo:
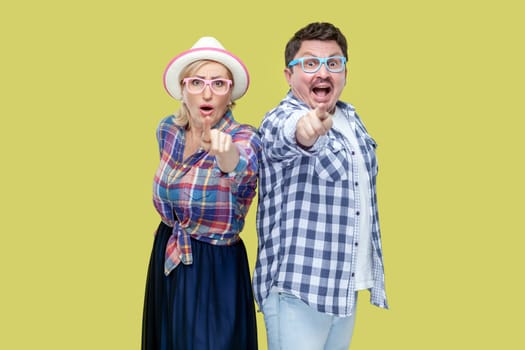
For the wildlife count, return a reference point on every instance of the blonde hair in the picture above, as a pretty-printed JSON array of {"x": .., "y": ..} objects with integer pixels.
[{"x": 182, "y": 116}]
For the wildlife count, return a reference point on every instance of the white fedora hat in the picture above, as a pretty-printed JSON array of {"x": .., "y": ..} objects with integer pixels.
[{"x": 206, "y": 48}]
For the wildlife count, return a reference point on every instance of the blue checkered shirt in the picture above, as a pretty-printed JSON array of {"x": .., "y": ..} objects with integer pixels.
[{"x": 308, "y": 213}]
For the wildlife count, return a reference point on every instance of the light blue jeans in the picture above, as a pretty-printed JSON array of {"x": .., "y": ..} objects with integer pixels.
[{"x": 291, "y": 324}]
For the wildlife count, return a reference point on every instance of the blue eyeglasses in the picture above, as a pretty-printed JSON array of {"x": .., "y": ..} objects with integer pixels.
[{"x": 334, "y": 64}]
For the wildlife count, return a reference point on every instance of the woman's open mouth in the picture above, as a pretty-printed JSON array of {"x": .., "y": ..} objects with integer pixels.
[{"x": 206, "y": 110}]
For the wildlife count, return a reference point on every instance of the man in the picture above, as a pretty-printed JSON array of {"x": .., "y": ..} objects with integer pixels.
[{"x": 317, "y": 220}]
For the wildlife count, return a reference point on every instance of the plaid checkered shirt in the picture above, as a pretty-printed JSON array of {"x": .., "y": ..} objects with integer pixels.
[
  {"x": 195, "y": 197},
  {"x": 308, "y": 213}
]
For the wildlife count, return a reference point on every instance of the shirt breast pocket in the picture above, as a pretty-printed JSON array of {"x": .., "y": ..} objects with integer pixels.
[
  {"x": 332, "y": 163},
  {"x": 210, "y": 186}
]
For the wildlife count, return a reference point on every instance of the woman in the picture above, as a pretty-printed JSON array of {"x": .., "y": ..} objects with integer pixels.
[{"x": 198, "y": 291}]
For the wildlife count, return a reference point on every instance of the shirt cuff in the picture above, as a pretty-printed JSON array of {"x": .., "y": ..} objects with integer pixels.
[{"x": 241, "y": 166}]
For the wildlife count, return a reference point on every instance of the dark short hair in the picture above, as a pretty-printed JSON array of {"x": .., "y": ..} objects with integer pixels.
[{"x": 323, "y": 31}]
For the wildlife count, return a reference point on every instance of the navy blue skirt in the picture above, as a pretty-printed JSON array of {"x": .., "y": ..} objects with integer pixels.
[{"x": 207, "y": 305}]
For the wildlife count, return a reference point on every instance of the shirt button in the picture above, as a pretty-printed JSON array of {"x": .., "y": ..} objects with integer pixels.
[
  {"x": 357, "y": 212},
  {"x": 356, "y": 244},
  {"x": 353, "y": 274},
  {"x": 356, "y": 183}
]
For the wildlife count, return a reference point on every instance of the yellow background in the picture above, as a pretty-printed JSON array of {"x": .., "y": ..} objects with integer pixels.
[{"x": 439, "y": 85}]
